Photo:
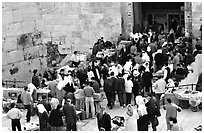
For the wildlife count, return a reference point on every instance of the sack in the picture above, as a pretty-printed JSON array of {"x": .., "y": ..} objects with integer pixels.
[
  {"x": 155, "y": 122},
  {"x": 79, "y": 126},
  {"x": 118, "y": 120}
]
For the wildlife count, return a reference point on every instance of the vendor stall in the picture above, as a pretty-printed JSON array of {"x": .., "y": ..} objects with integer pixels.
[{"x": 187, "y": 97}]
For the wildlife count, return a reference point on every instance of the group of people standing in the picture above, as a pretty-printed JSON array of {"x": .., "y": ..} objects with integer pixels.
[{"x": 128, "y": 76}]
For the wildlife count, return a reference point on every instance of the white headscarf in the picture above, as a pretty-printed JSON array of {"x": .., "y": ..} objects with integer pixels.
[
  {"x": 41, "y": 108},
  {"x": 141, "y": 105}
]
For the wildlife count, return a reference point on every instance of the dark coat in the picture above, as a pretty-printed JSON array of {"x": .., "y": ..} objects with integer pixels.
[
  {"x": 152, "y": 109},
  {"x": 70, "y": 114},
  {"x": 142, "y": 123},
  {"x": 35, "y": 81},
  {"x": 96, "y": 87},
  {"x": 43, "y": 120},
  {"x": 55, "y": 118},
  {"x": 136, "y": 89},
  {"x": 120, "y": 85},
  {"x": 104, "y": 121},
  {"x": 108, "y": 86},
  {"x": 147, "y": 78},
  {"x": 104, "y": 72}
]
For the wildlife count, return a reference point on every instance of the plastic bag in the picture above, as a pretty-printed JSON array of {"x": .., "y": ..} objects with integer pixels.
[{"x": 79, "y": 126}]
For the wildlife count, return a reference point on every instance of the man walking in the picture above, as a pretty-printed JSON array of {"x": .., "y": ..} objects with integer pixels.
[
  {"x": 70, "y": 116},
  {"x": 171, "y": 111},
  {"x": 120, "y": 88},
  {"x": 27, "y": 101},
  {"x": 159, "y": 89},
  {"x": 89, "y": 100}
]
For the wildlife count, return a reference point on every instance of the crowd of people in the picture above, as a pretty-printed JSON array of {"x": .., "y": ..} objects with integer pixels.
[{"x": 138, "y": 73}]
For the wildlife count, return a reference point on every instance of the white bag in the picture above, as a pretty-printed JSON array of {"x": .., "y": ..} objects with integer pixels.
[{"x": 79, "y": 125}]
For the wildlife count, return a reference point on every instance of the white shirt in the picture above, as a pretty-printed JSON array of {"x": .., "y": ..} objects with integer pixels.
[
  {"x": 90, "y": 75},
  {"x": 127, "y": 67},
  {"x": 128, "y": 86},
  {"x": 119, "y": 68},
  {"x": 74, "y": 58},
  {"x": 160, "y": 86},
  {"x": 14, "y": 113}
]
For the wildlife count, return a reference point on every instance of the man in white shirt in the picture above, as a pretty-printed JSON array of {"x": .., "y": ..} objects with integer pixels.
[
  {"x": 74, "y": 59},
  {"x": 159, "y": 89},
  {"x": 128, "y": 89},
  {"x": 15, "y": 115}
]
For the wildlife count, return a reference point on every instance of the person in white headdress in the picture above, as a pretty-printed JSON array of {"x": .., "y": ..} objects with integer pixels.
[
  {"x": 142, "y": 122},
  {"x": 131, "y": 117},
  {"x": 43, "y": 117}
]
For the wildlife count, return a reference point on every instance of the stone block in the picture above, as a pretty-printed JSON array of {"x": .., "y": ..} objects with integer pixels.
[
  {"x": 10, "y": 44},
  {"x": 7, "y": 17},
  {"x": 14, "y": 29},
  {"x": 4, "y": 60},
  {"x": 61, "y": 28},
  {"x": 48, "y": 28},
  {"x": 31, "y": 53},
  {"x": 30, "y": 13},
  {"x": 28, "y": 26},
  {"x": 14, "y": 56},
  {"x": 48, "y": 19},
  {"x": 64, "y": 49},
  {"x": 17, "y": 16},
  {"x": 39, "y": 24},
  {"x": 73, "y": 17},
  {"x": 4, "y": 30},
  {"x": 76, "y": 34}
]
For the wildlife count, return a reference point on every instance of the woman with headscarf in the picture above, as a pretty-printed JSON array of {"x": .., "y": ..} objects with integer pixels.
[
  {"x": 142, "y": 122},
  {"x": 43, "y": 117},
  {"x": 131, "y": 117}
]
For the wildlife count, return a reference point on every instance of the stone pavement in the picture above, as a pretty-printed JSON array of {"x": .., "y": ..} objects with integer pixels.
[{"x": 186, "y": 118}]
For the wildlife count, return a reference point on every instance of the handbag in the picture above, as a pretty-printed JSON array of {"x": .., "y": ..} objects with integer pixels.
[{"x": 156, "y": 121}]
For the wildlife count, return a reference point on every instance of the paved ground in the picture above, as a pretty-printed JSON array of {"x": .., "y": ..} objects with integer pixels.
[{"x": 188, "y": 119}]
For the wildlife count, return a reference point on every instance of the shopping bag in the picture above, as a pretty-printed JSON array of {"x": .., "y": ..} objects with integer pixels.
[
  {"x": 156, "y": 121},
  {"x": 79, "y": 125}
]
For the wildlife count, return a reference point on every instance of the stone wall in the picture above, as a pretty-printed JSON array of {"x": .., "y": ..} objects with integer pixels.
[
  {"x": 28, "y": 27},
  {"x": 196, "y": 18}
]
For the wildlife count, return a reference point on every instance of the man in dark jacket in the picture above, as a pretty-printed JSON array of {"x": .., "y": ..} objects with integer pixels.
[
  {"x": 45, "y": 103},
  {"x": 35, "y": 79},
  {"x": 109, "y": 91},
  {"x": 120, "y": 89},
  {"x": 113, "y": 80},
  {"x": 152, "y": 110},
  {"x": 55, "y": 119},
  {"x": 70, "y": 116},
  {"x": 147, "y": 77},
  {"x": 103, "y": 120},
  {"x": 95, "y": 85}
]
